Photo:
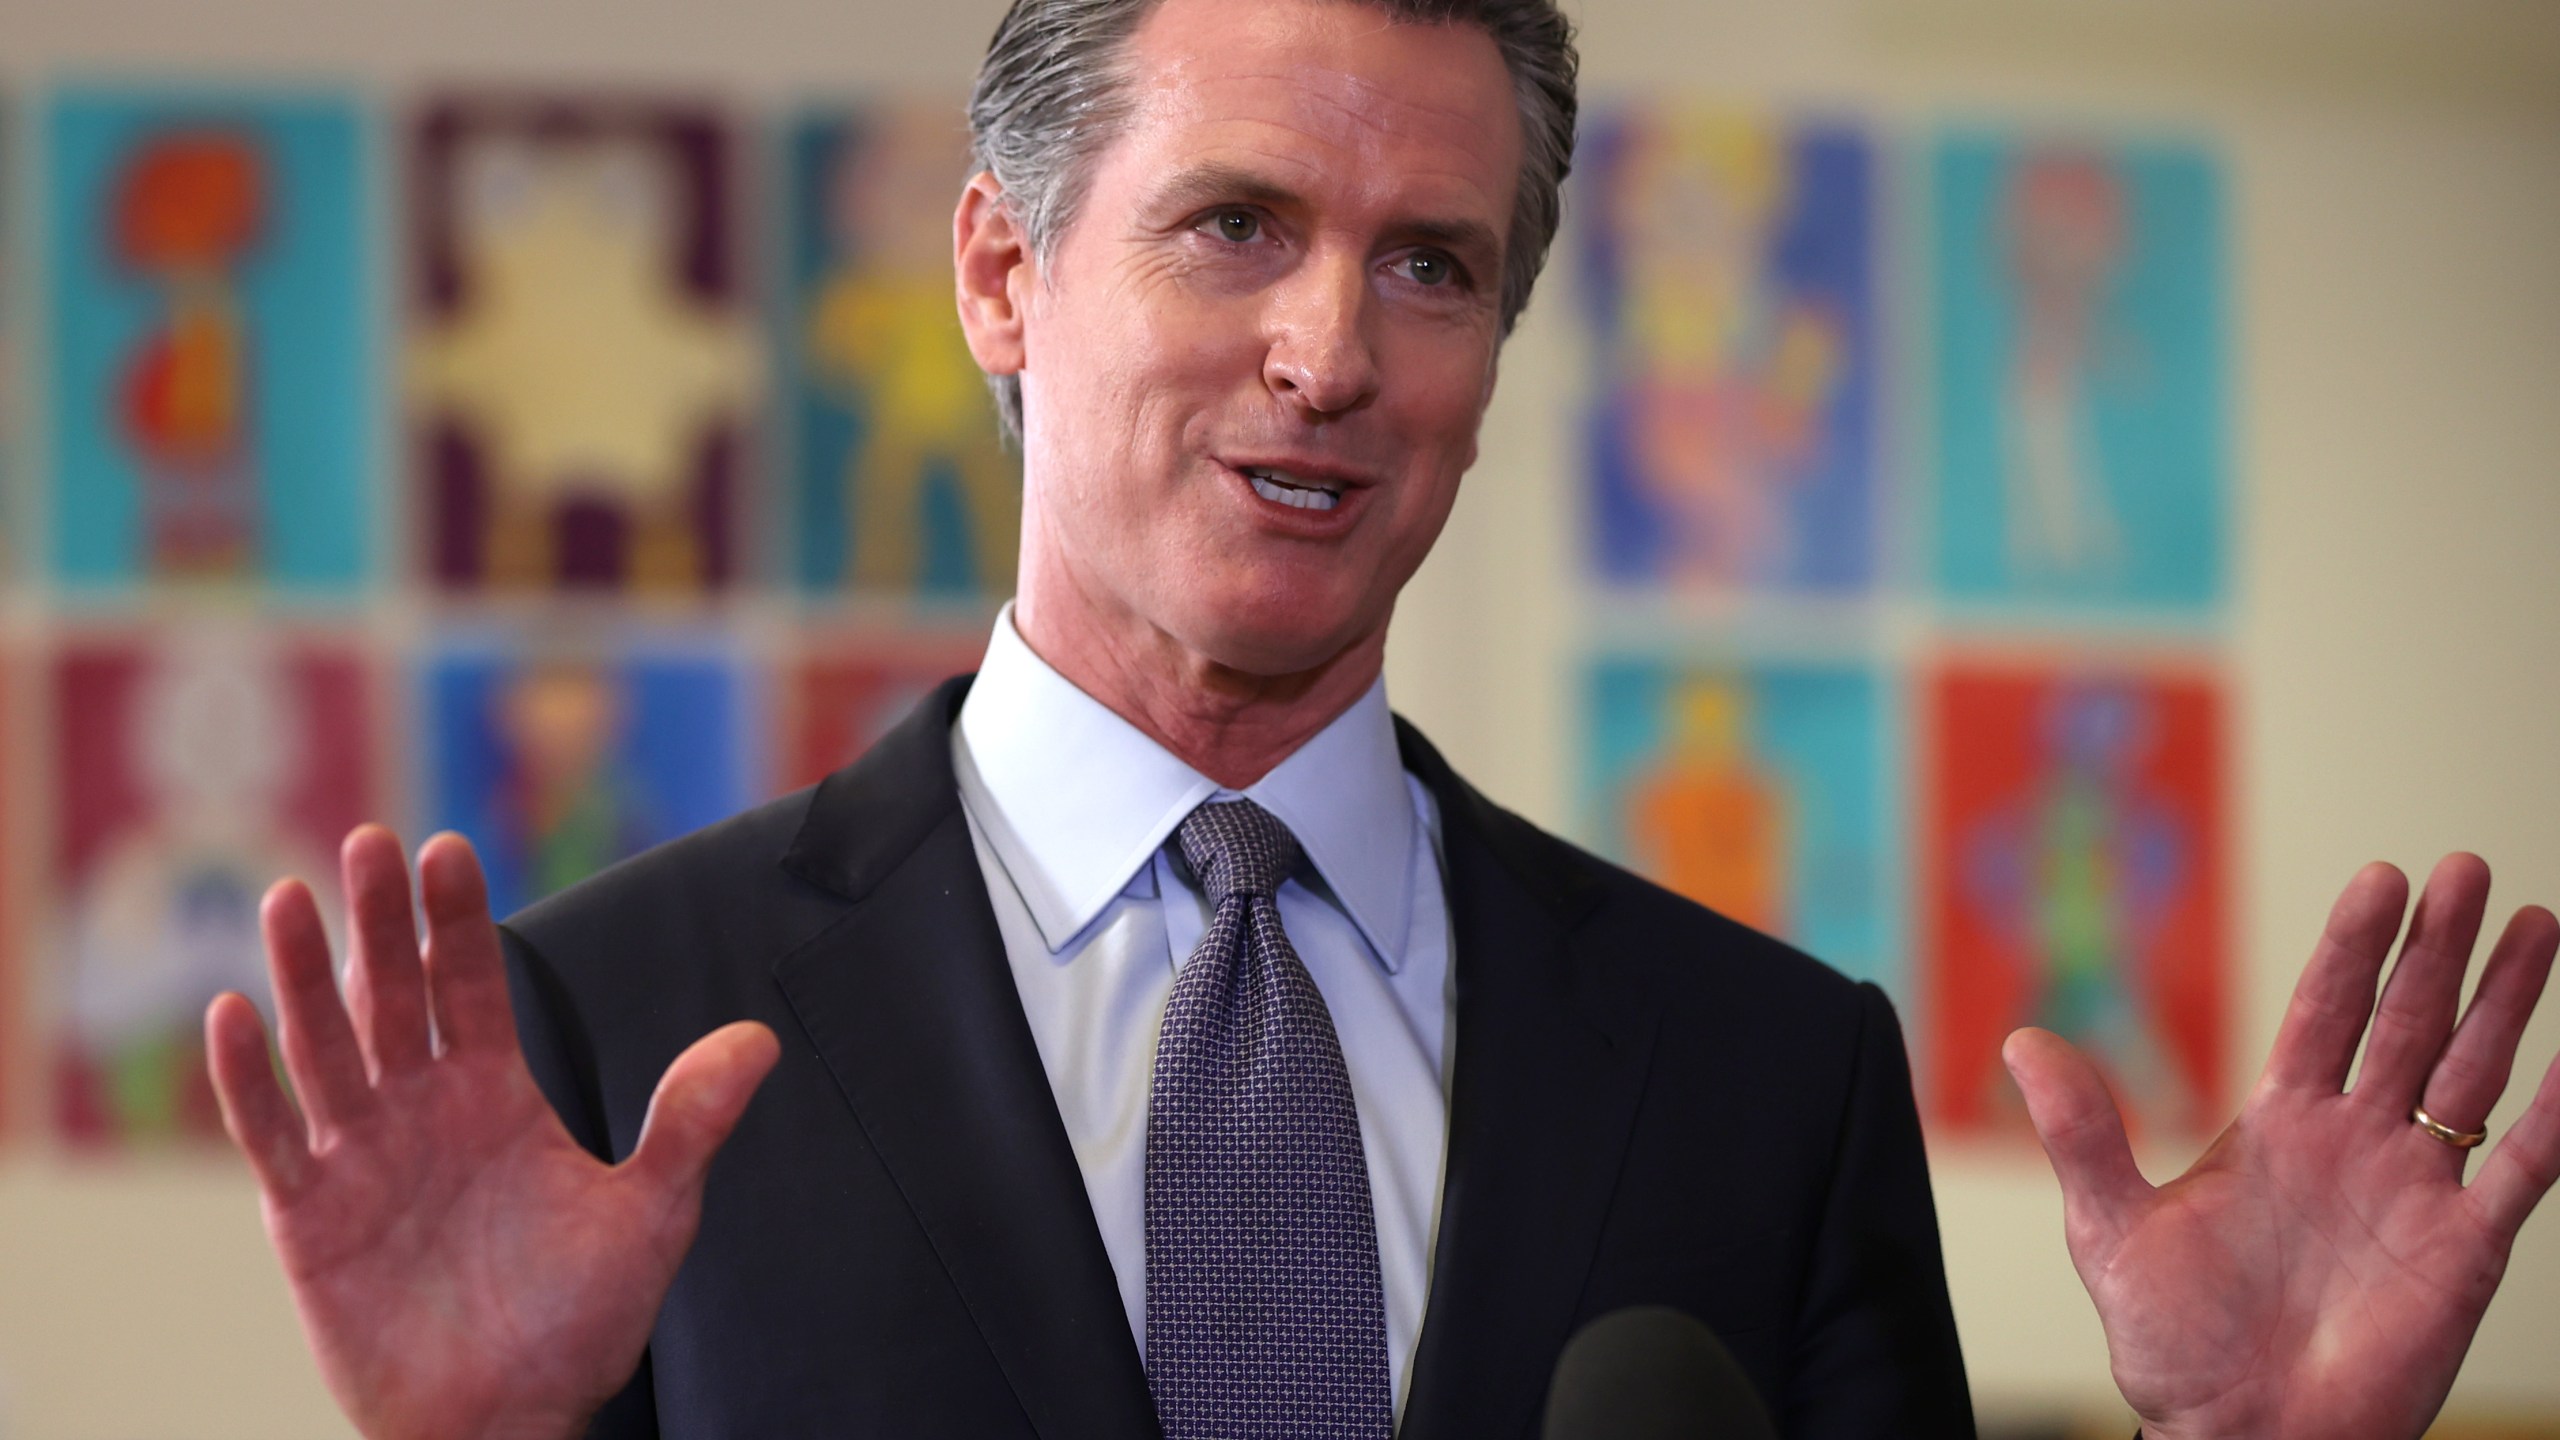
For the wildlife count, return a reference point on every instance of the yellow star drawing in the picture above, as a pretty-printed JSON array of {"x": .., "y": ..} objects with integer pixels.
[{"x": 582, "y": 368}]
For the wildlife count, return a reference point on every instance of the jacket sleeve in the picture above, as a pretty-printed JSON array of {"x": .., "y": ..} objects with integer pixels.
[
  {"x": 1876, "y": 1351},
  {"x": 557, "y": 1051}
]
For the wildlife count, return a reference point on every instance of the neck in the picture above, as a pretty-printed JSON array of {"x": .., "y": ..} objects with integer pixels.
[{"x": 1231, "y": 725}]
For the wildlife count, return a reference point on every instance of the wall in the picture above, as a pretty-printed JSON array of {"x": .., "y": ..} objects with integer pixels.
[{"x": 2395, "y": 179}]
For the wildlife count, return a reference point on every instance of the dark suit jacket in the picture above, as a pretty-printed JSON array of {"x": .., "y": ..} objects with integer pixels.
[{"x": 1650, "y": 1104}]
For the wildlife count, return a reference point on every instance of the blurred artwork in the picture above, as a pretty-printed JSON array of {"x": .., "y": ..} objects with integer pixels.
[
  {"x": 902, "y": 484},
  {"x": 556, "y": 765},
  {"x": 196, "y": 766},
  {"x": 1728, "y": 265},
  {"x": 583, "y": 374},
  {"x": 211, "y": 360},
  {"x": 11, "y": 371},
  {"x": 15, "y": 1031},
  {"x": 2080, "y": 411},
  {"x": 1757, "y": 791},
  {"x": 2074, "y": 878},
  {"x": 847, "y": 693}
]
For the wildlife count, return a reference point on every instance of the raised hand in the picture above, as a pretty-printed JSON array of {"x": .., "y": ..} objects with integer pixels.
[
  {"x": 2321, "y": 1270},
  {"x": 462, "y": 1267}
]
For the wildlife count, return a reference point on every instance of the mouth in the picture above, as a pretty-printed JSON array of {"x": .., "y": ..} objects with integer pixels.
[{"x": 1298, "y": 492}]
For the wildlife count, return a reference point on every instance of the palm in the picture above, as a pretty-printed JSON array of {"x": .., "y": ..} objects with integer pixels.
[
  {"x": 2278, "y": 1255},
  {"x": 461, "y": 1265},
  {"x": 496, "y": 1233},
  {"x": 2321, "y": 1270}
]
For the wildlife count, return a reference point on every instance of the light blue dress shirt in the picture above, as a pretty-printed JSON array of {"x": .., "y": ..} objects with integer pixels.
[{"x": 1070, "y": 808}]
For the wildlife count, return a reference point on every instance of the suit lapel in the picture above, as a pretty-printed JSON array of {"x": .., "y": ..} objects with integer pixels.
[
  {"x": 912, "y": 1004},
  {"x": 910, "y": 1000},
  {"x": 1550, "y": 1065}
]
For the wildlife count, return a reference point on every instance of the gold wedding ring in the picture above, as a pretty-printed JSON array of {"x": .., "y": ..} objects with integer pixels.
[{"x": 2458, "y": 1139}]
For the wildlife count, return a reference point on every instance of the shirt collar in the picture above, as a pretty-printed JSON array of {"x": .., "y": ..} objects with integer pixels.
[{"x": 1075, "y": 800}]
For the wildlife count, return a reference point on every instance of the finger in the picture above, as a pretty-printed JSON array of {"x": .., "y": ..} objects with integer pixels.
[
  {"x": 319, "y": 1045},
  {"x": 466, "y": 977},
  {"x": 386, "y": 985},
  {"x": 2083, "y": 1136},
  {"x": 698, "y": 1103},
  {"x": 2521, "y": 1170},
  {"x": 2334, "y": 998},
  {"x": 261, "y": 1120},
  {"x": 2473, "y": 1071},
  {"x": 2415, "y": 1018}
]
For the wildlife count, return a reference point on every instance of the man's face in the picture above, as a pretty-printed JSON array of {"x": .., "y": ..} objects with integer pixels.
[{"x": 1255, "y": 368}]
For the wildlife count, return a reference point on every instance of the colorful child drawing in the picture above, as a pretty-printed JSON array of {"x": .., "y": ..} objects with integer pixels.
[
  {"x": 1728, "y": 270},
  {"x": 902, "y": 468},
  {"x": 1756, "y": 791},
  {"x": 2074, "y": 885},
  {"x": 568, "y": 804},
  {"x": 11, "y": 369},
  {"x": 11, "y": 981},
  {"x": 213, "y": 369},
  {"x": 557, "y": 765},
  {"x": 2080, "y": 412},
  {"x": 584, "y": 369},
  {"x": 1706, "y": 818},
  {"x": 2066, "y": 234},
  {"x": 188, "y": 208},
  {"x": 196, "y": 769}
]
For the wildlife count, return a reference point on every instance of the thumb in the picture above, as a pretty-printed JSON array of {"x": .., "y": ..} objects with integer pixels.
[
  {"x": 2083, "y": 1135},
  {"x": 698, "y": 1102}
]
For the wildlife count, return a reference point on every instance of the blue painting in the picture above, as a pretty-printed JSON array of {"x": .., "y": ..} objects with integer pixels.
[
  {"x": 1758, "y": 790},
  {"x": 2080, "y": 419},
  {"x": 559, "y": 764},
  {"x": 211, "y": 367},
  {"x": 1728, "y": 265},
  {"x": 901, "y": 485}
]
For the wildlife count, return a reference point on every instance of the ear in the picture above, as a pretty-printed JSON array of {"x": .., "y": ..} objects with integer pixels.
[{"x": 992, "y": 267}]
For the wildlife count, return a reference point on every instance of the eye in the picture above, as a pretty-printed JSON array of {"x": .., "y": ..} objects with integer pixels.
[
  {"x": 1236, "y": 226},
  {"x": 1430, "y": 267}
]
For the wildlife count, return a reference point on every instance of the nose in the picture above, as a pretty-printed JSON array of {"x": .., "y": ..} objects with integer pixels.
[{"x": 1319, "y": 360}]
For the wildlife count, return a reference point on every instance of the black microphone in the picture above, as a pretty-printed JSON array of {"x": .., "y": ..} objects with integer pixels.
[{"x": 1652, "y": 1373}]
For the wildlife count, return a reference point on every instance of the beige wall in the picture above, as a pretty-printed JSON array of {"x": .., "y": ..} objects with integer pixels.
[{"x": 2395, "y": 178}]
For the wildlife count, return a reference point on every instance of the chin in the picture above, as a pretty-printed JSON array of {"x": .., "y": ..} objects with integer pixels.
[{"x": 1276, "y": 631}]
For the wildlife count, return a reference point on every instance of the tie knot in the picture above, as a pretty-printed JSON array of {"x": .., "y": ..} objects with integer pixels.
[{"x": 1238, "y": 848}]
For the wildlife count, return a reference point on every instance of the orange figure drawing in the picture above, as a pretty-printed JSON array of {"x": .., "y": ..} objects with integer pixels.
[
  {"x": 187, "y": 208},
  {"x": 1706, "y": 821}
]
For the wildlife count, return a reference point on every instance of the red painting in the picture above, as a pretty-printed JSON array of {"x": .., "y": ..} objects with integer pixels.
[
  {"x": 849, "y": 691},
  {"x": 2074, "y": 875},
  {"x": 194, "y": 769}
]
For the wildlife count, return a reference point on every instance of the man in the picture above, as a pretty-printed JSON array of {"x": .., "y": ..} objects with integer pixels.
[{"x": 1103, "y": 1103}]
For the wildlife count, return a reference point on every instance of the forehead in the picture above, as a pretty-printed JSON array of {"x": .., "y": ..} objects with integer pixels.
[{"x": 1327, "y": 97}]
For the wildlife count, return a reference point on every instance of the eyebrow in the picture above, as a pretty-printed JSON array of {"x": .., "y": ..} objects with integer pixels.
[
  {"x": 1213, "y": 184},
  {"x": 1208, "y": 184}
]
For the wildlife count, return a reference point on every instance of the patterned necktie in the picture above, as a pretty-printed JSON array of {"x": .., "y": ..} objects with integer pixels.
[{"x": 1265, "y": 1314}]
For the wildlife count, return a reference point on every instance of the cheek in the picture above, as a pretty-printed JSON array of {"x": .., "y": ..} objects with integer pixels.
[
  {"x": 1421, "y": 524},
  {"x": 1443, "y": 412},
  {"x": 1443, "y": 377},
  {"x": 1152, "y": 319},
  {"x": 1443, "y": 422},
  {"x": 1140, "y": 366}
]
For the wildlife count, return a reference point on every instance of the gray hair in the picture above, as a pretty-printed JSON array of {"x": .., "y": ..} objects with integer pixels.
[{"x": 1054, "y": 90}]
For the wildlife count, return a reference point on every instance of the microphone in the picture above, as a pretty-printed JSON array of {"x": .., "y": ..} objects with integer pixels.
[{"x": 1650, "y": 1372}]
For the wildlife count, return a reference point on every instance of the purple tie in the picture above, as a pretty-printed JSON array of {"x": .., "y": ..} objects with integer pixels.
[{"x": 1265, "y": 1317}]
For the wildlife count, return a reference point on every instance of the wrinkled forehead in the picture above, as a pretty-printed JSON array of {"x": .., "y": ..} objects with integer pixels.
[{"x": 1332, "y": 91}]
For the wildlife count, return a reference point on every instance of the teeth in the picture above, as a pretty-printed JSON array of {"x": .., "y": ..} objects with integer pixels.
[{"x": 1279, "y": 485}]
